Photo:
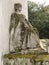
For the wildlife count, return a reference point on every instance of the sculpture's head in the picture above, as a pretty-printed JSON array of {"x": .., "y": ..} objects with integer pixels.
[{"x": 17, "y": 7}]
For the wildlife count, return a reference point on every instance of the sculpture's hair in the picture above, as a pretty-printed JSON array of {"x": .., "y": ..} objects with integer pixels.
[{"x": 18, "y": 4}]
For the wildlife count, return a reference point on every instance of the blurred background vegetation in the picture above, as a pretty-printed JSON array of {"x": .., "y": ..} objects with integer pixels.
[{"x": 38, "y": 16}]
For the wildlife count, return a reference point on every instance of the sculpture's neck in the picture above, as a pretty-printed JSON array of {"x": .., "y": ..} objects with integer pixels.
[{"x": 18, "y": 12}]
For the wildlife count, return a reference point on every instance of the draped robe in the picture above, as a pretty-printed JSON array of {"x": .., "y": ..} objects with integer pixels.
[{"x": 22, "y": 35}]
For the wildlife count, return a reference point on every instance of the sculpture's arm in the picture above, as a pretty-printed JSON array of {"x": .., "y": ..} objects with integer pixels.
[
  {"x": 33, "y": 29},
  {"x": 29, "y": 24}
]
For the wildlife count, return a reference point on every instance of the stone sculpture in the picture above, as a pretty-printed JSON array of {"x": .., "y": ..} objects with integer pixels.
[{"x": 21, "y": 32}]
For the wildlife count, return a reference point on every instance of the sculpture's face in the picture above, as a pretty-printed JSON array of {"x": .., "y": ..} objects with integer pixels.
[
  {"x": 17, "y": 8},
  {"x": 20, "y": 9}
]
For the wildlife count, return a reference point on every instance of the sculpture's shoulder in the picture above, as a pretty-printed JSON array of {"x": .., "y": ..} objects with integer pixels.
[
  {"x": 14, "y": 15},
  {"x": 22, "y": 15}
]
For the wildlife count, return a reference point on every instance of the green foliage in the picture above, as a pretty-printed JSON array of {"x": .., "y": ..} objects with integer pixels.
[{"x": 39, "y": 18}]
